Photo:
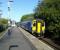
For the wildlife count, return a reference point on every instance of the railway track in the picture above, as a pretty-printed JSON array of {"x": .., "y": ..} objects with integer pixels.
[{"x": 50, "y": 43}]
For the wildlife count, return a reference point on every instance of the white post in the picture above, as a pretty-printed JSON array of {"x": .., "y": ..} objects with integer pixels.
[
  {"x": 0, "y": 9},
  {"x": 9, "y": 7}
]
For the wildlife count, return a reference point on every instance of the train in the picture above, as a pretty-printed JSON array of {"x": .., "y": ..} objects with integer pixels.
[{"x": 35, "y": 26}]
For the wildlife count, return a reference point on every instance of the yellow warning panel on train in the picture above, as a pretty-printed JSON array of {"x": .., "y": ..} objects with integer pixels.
[{"x": 38, "y": 27}]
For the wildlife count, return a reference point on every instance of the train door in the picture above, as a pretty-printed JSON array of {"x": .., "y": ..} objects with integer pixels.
[
  {"x": 38, "y": 27},
  {"x": 33, "y": 26},
  {"x": 43, "y": 27}
]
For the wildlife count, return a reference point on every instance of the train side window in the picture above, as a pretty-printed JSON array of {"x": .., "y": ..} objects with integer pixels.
[
  {"x": 42, "y": 24},
  {"x": 34, "y": 24}
]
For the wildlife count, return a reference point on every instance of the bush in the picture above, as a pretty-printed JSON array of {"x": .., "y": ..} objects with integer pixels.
[
  {"x": 49, "y": 11},
  {"x": 1, "y": 28}
]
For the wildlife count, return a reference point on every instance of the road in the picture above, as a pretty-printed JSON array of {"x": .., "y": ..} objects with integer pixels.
[{"x": 16, "y": 38}]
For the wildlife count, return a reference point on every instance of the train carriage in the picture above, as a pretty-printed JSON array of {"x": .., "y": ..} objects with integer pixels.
[{"x": 38, "y": 27}]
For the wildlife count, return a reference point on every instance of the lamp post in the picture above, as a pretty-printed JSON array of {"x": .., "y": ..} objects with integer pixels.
[
  {"x": 0, "y": 9},
  {"x": 9, "y": 10},
  {"x": 9, "y": 7}
]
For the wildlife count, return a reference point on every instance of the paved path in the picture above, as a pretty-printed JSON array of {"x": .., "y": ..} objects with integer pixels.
[
  {"x": 40, "y": 45},
  {"x": 16, "y": 38}
]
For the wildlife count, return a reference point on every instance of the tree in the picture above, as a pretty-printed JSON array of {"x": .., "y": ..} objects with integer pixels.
[
  {"x": 49, "y": 10},
  {"x": 27, "y": 17},
  {"x": 3, "y": 21},
  {"x": 3, "y": 24}
]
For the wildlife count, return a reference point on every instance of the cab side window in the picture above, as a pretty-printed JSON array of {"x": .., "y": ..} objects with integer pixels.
[
  {"x": 34, "y": 24},
  {"x": 42, "y": 24}
]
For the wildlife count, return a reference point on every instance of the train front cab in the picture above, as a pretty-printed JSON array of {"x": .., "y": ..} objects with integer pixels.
[{"x": 38, "y": 27}]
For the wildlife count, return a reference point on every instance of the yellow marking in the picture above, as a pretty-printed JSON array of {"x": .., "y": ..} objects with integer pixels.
[
  {"x": 38, "y": 27},
  {"x": 33, "y": 28},
  {"x": 43, "y": 28}
]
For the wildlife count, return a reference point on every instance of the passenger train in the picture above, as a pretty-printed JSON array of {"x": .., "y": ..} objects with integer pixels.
[{"x": 36, "y": 26}]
